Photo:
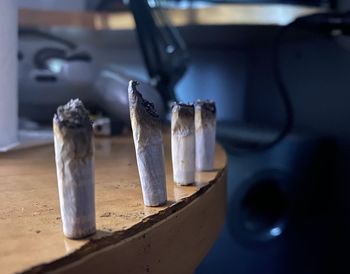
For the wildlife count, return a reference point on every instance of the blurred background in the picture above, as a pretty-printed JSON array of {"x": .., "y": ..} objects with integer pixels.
[{"x": 279, "y": 73}]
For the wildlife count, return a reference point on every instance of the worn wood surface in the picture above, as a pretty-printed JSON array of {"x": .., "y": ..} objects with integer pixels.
[{"x": 174, "y": 237}]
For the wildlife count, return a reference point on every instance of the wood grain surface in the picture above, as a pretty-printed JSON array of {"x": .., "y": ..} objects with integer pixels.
[{"x": 131, "y": 238}]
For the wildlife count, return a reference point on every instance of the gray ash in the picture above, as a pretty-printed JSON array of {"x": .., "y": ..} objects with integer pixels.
[
  {"x": 73, "y": 115},
  {"x": 184, "y": 110},
  {"x": 137, "y": 96},
  {"x": 149, "y": 107},
  {"x": 207, "y": 105}
]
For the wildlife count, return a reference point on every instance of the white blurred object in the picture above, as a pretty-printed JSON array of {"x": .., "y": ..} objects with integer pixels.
[
  {"x": 102, "y": 127},
  {"x": 63, "y": 5},
  {"x": 8, "y": 74},
  {"x": 10, "y": 136},
  {"x": 31, "y": 138},
  {"x": 30, "y": 134}
]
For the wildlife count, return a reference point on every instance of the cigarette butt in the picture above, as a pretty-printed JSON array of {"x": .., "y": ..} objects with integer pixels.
[
  {"x": 74, "y": 153},
  {"x": 205, "y": 127},
  {"x": 183, "y": 144},
  {"x": 148, "y": 140}
]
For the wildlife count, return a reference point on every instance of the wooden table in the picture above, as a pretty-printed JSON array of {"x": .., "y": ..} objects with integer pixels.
[{"x": 131, "y": 238}]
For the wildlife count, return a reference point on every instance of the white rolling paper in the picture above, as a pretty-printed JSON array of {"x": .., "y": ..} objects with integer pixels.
[
  {"x": 8, "y": 74},
  {"x": 183, "y": 143},
  {"x": 205, "y": 123}
]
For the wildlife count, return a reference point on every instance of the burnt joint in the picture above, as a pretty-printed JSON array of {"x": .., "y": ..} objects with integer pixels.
[
  {"x": 184, "y": 110},
  {"x": 149, "y": 107},
  {"x": 207, "y": 106},
  {"x": 73, "y": 115}
]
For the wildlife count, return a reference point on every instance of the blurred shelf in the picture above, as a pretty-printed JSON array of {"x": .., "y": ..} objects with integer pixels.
[{"x": 223, "y": 14}]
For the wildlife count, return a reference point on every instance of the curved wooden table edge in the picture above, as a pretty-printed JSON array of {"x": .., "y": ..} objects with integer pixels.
[{"x": 215, "y": 190}]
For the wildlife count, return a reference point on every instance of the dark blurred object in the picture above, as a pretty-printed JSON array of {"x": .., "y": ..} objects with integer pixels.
[
  {"x": 106, "y": 5},
  {"x": 281, "y": 205},
  {"x": 325, "y": 22},
  {"x": 163, "y": 48},
  {"x": 328, "y": 23}
]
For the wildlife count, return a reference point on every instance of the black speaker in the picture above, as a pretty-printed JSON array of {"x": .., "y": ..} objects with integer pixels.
[{"x": 279, "y": 206}]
